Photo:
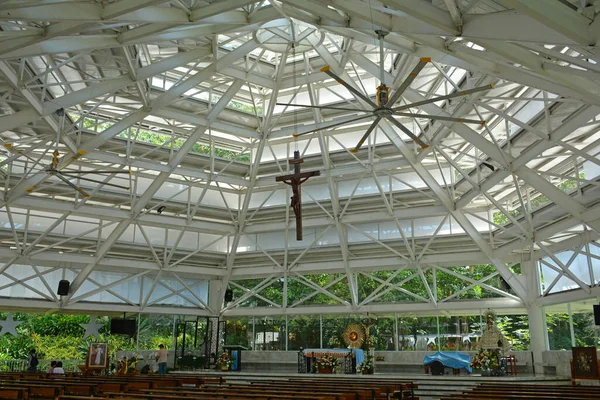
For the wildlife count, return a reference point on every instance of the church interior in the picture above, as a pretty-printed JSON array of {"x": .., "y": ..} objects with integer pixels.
[{"x": 299, "y": 199}]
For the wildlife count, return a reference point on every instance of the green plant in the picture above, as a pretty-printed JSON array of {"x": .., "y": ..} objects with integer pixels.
[
  {"x": 372, "y": 342},
  {"x": 366, "y": 366},
  {"x": 334, "y": 342},
  {"x": 224, "y": 361}
]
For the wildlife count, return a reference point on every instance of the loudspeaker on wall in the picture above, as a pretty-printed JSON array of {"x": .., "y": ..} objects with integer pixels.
[
  {"x": 228, "y": 295},
  {"x": 63, "y": 288}
]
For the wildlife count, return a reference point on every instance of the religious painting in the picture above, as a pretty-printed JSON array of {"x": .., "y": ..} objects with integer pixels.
[
  {"x": 97, "y": 356},
  {"x": 585, "y": 363}
]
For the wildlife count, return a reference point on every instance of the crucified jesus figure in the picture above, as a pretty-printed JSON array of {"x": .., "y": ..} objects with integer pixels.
[{"x": 295, "y": 180}]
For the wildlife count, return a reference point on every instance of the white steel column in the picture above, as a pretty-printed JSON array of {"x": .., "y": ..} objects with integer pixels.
[
  {"x": 215, "y": 296},
  {"x": 573, "y": 343},
  {"x": 536, "y": 315}
]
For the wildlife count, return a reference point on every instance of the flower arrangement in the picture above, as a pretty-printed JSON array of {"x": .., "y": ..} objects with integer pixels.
[
  {"x": 484, "y": 359},
  {"x": 224, "y": 361},
  {"x": 327, "y": 361},
  {"x": 334, "y": 342},
  {"x": 128, "y": 366},
  {"x": 372, "y": 341},
  {"x": 366, "y": 366}
]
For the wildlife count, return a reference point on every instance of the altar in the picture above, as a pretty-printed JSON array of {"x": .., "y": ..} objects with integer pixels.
[
  {"x": 451, "y": 359},
  {"x": 350, "y": 358}
]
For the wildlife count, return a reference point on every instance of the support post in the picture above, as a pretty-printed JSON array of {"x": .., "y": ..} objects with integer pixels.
[
  {"x": 536, "y": 317},
  {"x": 396, "y": 331},
  {"x": 571, "y": 329}
]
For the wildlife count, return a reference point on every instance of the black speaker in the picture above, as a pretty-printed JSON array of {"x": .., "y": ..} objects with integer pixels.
[
  {"x": 63, "y": 288},
  {"x": 597, "y": 314},
  {"x": 229, "y": 295},
  {"x": 437, "y": 368},
  {"x": 122, "y": 326}
]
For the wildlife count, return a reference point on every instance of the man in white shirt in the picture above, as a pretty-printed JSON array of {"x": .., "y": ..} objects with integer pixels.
[
  {"x": 58, "y": 370},
  {"x": 161, "y": 358}
]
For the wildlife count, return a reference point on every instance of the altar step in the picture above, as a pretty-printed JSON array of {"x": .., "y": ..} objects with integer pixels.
[{"x": 434, "y": 389}]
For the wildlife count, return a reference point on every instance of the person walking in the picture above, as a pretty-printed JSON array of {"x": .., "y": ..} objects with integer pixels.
[
  {"x": 161, "y": 359},
  {"x": 32, "y": 361}
]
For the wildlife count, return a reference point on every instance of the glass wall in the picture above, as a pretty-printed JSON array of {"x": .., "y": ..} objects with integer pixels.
[
  {"x": 516, "y": 330},
  {"x": 269, "y": 333},
  {"x": 304, "y": 331},
  {"x": 584, "y": 328},
  {"x": 459, "y": 332},
  {"x": 417, "y": 333},
  {"x": 238, "y": 332},
  {"x": 559, "y": 331},
  {"x": 154, "y": 330},
  {"x": 61, "y": 336}
]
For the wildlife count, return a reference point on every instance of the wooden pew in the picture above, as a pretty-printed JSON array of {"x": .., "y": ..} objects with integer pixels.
[
  {"x": 509, "y": 391},
  {"x": 13, "y": 393},
  {"x": 190, "y": 387}
]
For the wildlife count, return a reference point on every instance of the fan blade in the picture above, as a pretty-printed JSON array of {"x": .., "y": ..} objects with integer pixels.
[
  {"x": 327, "y": 70},
  {"x": 332, "y": 125},
  {"x": 364, "y": 137},
  {"x": 407, "y": 131},
  {"x": 65, "y": 180},
  {"x": 449, "y": 96},
  {"x": 95, "y": 181},
  {"x": 322, "y": 107},
  {"x": 96, "y": 172},
  {"x": 442, "y": 118},
  {"x": 409, "y": 79}
]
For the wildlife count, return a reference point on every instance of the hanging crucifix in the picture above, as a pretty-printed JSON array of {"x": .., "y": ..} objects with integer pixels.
[{"x": 295, "y": 180}]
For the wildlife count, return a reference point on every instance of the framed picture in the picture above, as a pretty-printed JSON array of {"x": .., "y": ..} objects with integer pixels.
[
  {"x": 97, "y": 356},
  {"x": 585, "y": 363}
]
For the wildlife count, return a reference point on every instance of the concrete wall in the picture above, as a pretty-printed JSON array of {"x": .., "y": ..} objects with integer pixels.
[
  {"x": 558, "y": 362},
  {"x": 410, "y": 362},
  {"x": 149, "y": 357}
]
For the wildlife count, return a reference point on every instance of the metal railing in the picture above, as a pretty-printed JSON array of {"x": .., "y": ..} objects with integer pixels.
[{"x": 21, "y": 365}]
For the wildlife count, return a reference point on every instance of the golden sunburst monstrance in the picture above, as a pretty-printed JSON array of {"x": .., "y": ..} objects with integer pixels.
[{"x": 354, "y": 336}]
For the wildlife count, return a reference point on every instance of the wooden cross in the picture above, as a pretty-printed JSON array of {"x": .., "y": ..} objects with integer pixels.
[{"x": 295, "y": 180}]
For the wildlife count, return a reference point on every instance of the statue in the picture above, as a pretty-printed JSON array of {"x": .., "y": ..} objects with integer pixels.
[
  {"x": 492, "y": 338},
  {"x": 295, "y": 180}
]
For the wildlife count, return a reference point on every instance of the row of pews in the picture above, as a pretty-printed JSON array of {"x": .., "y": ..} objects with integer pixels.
[
  {"x": 510, "y": 390},
  {"x": 190, "y": 387}
]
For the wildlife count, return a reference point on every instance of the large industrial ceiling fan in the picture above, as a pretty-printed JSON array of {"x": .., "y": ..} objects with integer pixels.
[
  {"x": 66, "y": 175},
  {"x": 384, "y": 109}
]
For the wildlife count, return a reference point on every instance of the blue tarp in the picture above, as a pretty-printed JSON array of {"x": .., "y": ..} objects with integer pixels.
[{"x": 450, "y": 359}]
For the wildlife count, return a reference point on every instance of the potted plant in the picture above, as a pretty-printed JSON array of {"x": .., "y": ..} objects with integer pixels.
[
  {"x": 326, "y": 364},
  {"x": 224, "y": 361},
  {"x": 366, "y": 367}
]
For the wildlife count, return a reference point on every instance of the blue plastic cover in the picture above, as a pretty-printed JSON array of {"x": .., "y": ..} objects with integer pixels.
[{"x": 450, "y": 359}]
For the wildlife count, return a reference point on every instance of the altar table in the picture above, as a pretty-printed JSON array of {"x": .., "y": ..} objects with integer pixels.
[
  {"x": 308, "y": 356},
  {"x": 452, "y": 359}
]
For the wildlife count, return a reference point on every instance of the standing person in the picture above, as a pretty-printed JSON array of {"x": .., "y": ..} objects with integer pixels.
[
  {"x": 161, "y": 358},
  {"x": 32, "y": 361}
]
